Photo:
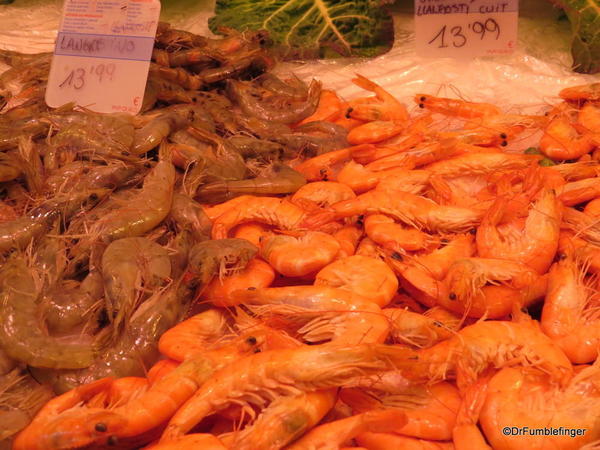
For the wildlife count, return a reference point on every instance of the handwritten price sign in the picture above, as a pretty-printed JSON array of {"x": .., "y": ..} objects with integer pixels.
[
  {"x": 102, "y": 54},
  {"x": 446, "y": 28}
]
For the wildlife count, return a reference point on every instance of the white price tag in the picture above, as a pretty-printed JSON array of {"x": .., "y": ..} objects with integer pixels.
[
  {"x": 466, "y": 28},
  {"x": 102, "y": 54}
]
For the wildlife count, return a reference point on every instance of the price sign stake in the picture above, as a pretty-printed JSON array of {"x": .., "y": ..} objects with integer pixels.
[
  {"x": 102, "y": 54},
  {"x": 466, "y": 28}
]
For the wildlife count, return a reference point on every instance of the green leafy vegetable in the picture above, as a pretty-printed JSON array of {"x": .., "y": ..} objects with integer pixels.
[
  {"x": 312, "y": 28},
  {"x": 584, "y": 16}
]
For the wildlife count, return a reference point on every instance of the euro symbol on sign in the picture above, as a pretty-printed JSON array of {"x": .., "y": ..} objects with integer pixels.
[{"x": 136, "y": 101}]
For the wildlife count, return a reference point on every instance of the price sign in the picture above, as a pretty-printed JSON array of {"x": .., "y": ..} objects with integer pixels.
[
  {"x": 102, "y": 54},
  {"x": 455, "y": 28}
]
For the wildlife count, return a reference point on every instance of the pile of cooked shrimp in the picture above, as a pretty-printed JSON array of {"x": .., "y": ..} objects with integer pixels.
[{"x": 256, "y": 263}]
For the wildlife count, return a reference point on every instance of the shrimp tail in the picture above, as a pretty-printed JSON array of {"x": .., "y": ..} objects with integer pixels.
[{"x": 318, "y": 219}]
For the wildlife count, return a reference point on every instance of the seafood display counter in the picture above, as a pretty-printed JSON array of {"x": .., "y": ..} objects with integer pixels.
[{"x": 347, "y": 254}]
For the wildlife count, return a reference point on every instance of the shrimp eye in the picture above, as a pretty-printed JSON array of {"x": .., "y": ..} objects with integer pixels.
[
  {"x": 422, "y": 99},
  {"x": 251, "y": 288},
  {"x": 421, "y": 105},
  {"x": 112, "y": 440},
  {"x": 561, "y": 256},
  {"x": 348, "y": 112},
  {"x": 452, "y": 296},
  {"x": 256, "y": 350},
  {"x": 473, "y": 231},
  {"x": 100, "y": 427},
  {"x": 125, "y": 153},
  {"x": 397, "y": 256},
  {"x": 503, "y": 136},
  {"x": 94, "y": 197},
  {"x": 503, "y": 143},
  {"x": 444, "y": 241}
]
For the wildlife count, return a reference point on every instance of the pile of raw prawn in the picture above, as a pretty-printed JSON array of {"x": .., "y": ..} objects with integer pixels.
[{"x": 351, "y": 274}]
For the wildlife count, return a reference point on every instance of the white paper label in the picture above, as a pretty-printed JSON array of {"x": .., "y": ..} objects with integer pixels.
[
  {"x": 102, "y": 54},
  {"x": 469, "y": 28}
]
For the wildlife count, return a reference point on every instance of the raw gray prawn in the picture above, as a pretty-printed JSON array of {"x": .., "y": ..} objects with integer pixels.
[
  {"x": 278, "y": 179},
  {"x": 135, "y": 349},
  {"x": 189, "y": 215},
  {"x": 219, "y": 257},
  {"x": 290, "y": 110},
  {"x": 21, "y": 335},
  {"x": 20, "y": 399},
  {"x": 20, "y": 232},
  {"x": 146, "y": 210},
  {"x": 153, "y": 133},
  {"x": 129, "y": 266}
]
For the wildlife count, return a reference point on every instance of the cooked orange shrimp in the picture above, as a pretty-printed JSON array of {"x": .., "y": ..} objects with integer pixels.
[
  {"x": 529, "y": 398},
  {"x": 480, "y": 163},
  {"x": 579, "y": 191},
  {"x": 271, "y": 374},
  {"x": 268, "y": 210},
  {"x": 437, "y": 263},
  {"x": 414, "y": 210},
  {"x": 193, "y": 335},
  {"x": 430, "y": 410},
  {"x": 162, "y": 368},
  {"x": 322, "y": 194},
  {"x": 499, "y": 344},
  {"x": 329, "y": 108},
  {"x": 345, "y": 121},
  {"x": 335, "y": 434},
  {"x": 583, "y": 92},
  {"x": 57, "y": 424},
  {"x": 163, "y": 398},
  {"x": 387, "y": 233},
  {"x": 455, "y": 107},
  {"x": 298, "y": 256},
  {"x": 534, "y": 246},
  {"x": 366, "y": 247},
  {"x": 376, "y": 131},
  {"x": 332, "y": 314},
  {"x": 348, "y": 238},
  {"x": 250, "y": 231},
  {"x": 257, "y": 274},
  {"x": 360, "y": 179},
  {"x": 466, "y": 435},
  {"x": 121, "y": 391},
  {"x": 420, "y": 330},
  {"x": 370, "y": 154},
  {"x": 388, "y": 441},
  {"x": 215, "y": 211},
  {"x": 589, "y": 252},
  {"x": 562, "y": 141},
  {"x": 421, "y": 154},
  {"x": 593, "y": 207},
  {"x": 324, "y": 167},
  {"x": 190, "y": 442},
  {"x": 386, "y": 107},
  {"x": 570, "y": 314},
  {"x": 588, "y": 118},
  {"x": 367, "y": 277},
  {"x": 467, "y": 279},
  {"x": 283, "y": 421}
]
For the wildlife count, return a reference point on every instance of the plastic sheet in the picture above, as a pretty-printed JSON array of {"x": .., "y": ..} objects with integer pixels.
[{"x": 522, "y": 82}]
